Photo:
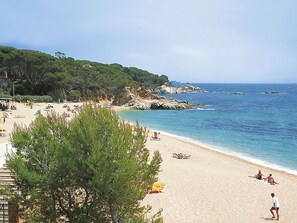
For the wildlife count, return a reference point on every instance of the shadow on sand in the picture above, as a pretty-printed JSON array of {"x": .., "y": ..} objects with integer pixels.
[{"x": 269, "y": 219}]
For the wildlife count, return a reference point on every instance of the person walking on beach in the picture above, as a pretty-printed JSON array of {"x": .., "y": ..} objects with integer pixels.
[{"x": 275, "y": 207}]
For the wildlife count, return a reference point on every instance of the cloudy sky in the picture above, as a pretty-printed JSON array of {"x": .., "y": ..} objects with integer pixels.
[{"x": 219, "y": 41}]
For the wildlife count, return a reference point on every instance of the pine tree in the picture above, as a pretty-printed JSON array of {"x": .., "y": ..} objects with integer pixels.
[{"x": 94, "y": 168}]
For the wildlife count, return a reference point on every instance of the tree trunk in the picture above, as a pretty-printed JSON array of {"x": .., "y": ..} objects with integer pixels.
[{"x": 113, "y": 216}]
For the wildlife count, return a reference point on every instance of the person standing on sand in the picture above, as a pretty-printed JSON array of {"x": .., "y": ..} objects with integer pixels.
[{"x": 275, "y": 207}]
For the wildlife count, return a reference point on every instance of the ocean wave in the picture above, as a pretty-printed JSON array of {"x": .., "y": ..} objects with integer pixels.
[
  {"x": 205, "y": 109},
  {"x": 233, "y": 153}
]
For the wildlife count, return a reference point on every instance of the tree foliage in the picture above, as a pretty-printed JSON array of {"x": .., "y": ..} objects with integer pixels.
[
  {"x": 94, "y": 168},
  {"x": 36, "y": 73}
]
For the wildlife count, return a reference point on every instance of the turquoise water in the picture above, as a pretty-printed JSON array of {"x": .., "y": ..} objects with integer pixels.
[{"x": 258, "y": 127}]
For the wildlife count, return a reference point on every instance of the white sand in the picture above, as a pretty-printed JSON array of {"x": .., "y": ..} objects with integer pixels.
[
  {"x": 210, "y": 187},
  {"x": 214, "y": 187},
  {"x": 24, "y": 115}
]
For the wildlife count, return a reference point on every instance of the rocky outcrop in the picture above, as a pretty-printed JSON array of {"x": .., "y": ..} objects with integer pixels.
[
  {"x": 238, "y": 93},
  {"x": 185, "y": 89},
  {"x": 144, "y": 100},
  {"x": 162, "y": 104},
  {"x": 274, "y": 92},
  {"x": 130, "y": 96},
  {"x": 122, "y": 100}
]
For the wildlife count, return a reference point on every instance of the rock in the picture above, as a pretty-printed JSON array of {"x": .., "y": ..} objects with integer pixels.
[
  {"x": 143, "y": 99},
  {"x": 165, "y": 90},
  {"x": 122, "y": 100},
  {"x": 166, "y": 104},
  {"x": 274, "y": 92},
  {"x": 140, "y": 106},
  {"x": 238, "y": 93},
  {"x": 185, "y": 89},
  {"x": 199, "y": 104},
  {"x": 175, "y": 105}
]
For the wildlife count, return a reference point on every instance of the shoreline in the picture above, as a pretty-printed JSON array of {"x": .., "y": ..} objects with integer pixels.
[
  {"x": 232, "y": 154},
  {"x": 211, "y": 186},
  {"x": 25, "y": 115}
]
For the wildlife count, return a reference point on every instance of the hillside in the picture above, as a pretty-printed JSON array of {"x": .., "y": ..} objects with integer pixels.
[{"x": 28, "y": 72}]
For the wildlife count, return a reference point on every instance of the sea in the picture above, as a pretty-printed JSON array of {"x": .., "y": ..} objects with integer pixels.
[{"x": 255, "y": 122}]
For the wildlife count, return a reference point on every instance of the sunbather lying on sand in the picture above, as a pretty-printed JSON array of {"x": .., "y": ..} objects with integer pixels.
[{"x": 181, "y": 156}]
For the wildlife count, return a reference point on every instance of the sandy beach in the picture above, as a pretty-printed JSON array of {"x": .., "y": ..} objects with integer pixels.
[
  {"x": 209, "y": 187},
  {"x": 215, "y": 187},
  {"x": 24, "y": 115}
]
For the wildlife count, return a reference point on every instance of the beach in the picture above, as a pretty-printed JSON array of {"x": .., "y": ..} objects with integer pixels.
[
  {"x": 208, "y": 187},
  {"x": 216, "y": 187},
  {"x": 25, "y": 114}
]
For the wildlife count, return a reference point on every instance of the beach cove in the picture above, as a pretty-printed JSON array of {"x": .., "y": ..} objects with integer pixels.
[
  {"x": 253, "y": 125},
  {"x": 240, "y": 129},
  {"x": 208, "y": 187}
]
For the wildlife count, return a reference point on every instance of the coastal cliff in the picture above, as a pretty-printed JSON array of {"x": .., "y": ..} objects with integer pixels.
[{"x": 144, "y": 99}]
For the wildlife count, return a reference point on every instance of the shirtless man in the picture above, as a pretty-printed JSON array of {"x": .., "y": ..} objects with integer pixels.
[{"x": 270, "y": 180}]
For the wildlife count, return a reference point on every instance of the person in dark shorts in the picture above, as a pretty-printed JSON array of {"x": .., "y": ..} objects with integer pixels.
[
  {"x": 275, "y": 207},
  {"x": 259, "y": 176}
]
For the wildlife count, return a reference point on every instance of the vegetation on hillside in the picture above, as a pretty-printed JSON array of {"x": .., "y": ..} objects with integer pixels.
[
  {"x": 35, "y": 73},
  {"x": 94, "y": 168}
]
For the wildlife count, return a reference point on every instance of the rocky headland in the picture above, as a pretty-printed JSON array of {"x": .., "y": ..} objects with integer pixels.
[{"x": 145, "y": 99}]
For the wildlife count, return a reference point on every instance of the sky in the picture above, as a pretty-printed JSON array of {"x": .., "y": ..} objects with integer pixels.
[{"x": 201, "y": 41}]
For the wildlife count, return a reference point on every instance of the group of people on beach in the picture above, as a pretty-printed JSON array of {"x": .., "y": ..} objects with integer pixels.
[
  {"x": 269, "y": 178},
  {"x": 275, "y": 202}
]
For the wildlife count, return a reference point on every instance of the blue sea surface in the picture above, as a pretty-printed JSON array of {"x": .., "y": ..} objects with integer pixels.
[{"x": 255, "y": 126}]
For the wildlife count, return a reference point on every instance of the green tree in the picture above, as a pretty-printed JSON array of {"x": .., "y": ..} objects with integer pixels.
[
  {"x": 94, "y": 168},
  {"x": 36, "y": 73},
  {"x": 60, "y": 55}
]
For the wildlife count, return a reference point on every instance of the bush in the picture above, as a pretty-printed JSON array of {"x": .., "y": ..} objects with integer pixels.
[
  {"x": 34, "y": 98},
  {"x": 74, "y": 95},
  {"x": 5, "y": 96},
  {"x": 94, "y": 168}
]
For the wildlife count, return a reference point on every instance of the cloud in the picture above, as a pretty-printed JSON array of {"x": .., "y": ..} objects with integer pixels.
[{"x": 196, "y": 41}]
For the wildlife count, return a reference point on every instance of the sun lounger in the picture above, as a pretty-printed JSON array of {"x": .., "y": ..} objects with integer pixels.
[{"x": 157, "y": 188}]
